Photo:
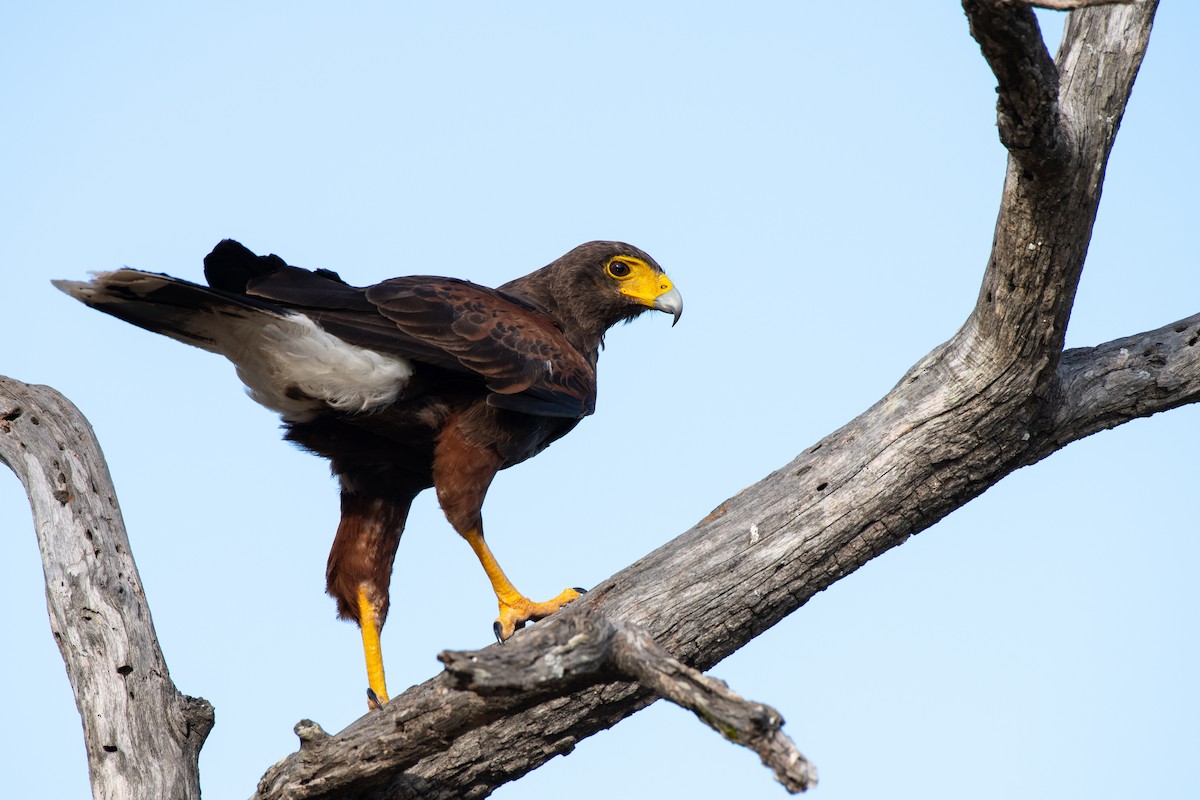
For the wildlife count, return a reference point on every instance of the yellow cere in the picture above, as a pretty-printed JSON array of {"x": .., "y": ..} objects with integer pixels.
[{"x": 643, "y": 283}]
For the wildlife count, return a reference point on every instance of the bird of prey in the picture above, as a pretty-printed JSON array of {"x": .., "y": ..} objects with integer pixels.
[{"x": 412, "y": 383}]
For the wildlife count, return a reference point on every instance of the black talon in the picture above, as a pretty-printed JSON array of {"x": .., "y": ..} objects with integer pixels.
[
  {"x": 580, "y": 589},
  {"x": 373, "y": 703},
  {"x": 496, "y": 630}
]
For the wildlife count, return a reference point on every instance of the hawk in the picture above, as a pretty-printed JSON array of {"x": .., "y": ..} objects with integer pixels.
[{"x": 412, "y": 383}]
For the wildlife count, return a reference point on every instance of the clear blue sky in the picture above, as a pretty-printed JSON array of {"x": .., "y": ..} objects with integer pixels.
[{"x": 821, "y": 180}]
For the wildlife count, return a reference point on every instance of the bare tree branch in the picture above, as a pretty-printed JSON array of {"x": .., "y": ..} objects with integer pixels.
[
  {"x": 598, "y": 648},
  {"x": 1101, "y": 387},
  {"x": 975, "y": 409},
  {"x": 750, "y": 724},
  {"x": 1046, "y": 214},
  {"x": 143, "y": 737}
]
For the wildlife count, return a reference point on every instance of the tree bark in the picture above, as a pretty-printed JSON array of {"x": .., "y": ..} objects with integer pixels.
[
  {"x": 143, "y": 737},
  {"x": 999, "y": 395}
]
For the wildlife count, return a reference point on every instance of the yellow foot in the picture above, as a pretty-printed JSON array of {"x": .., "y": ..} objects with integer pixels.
[{"x": 515, "y": 613}]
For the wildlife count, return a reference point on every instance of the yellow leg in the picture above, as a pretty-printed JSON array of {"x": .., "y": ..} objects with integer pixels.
[
  {"x": 515, "y": 608},
  {"x": 370, "y": 636}
]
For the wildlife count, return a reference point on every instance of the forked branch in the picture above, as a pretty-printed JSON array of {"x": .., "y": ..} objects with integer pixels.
[{"x": 1059, "y": 121}]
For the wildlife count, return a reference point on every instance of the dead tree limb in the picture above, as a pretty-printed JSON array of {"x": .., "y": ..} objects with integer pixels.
[
  {"x": 143, "y": 737},
  {"x": 999, "y": 395},
  {"x": 597, "y": 650}
]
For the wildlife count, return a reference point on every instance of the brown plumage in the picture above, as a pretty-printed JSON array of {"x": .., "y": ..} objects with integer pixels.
[{"x": 413, "y": 383}]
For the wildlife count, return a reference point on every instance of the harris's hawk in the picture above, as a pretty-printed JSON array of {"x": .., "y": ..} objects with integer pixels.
[{"x": 413, "y": 383}]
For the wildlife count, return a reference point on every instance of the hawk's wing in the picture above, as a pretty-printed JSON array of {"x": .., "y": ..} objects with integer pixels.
[{"x": 518, "y": 352}]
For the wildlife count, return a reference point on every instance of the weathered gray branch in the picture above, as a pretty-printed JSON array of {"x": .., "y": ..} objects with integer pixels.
[
  {"x": 1046, "y": 213},
  {"x": 1000, "y": 394},
  {"x": 750, "y": 724},
  {"x": 1101, "y": 387},
  {"x": 143, "y": 737},
  {"x": 597, "y": 650}
]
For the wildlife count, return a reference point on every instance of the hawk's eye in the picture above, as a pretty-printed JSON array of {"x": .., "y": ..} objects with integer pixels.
[{"x": 618, "y": 269}]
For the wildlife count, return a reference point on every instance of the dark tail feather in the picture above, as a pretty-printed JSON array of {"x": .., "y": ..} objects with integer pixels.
[
  {"x": 242, "y": 286},
  {"x": 185, "y": 311}
]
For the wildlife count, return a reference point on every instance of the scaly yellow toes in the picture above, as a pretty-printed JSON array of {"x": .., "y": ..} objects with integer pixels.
[{"x": 516, "y": 612}]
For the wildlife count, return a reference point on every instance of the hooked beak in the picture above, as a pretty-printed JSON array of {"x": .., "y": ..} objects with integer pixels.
[{"x": 671, "y": 302}]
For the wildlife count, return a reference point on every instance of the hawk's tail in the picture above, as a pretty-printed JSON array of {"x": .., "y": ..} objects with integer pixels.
[
  {"x": 287, "y": 360},
  {"x": 185, "y": 311}
]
